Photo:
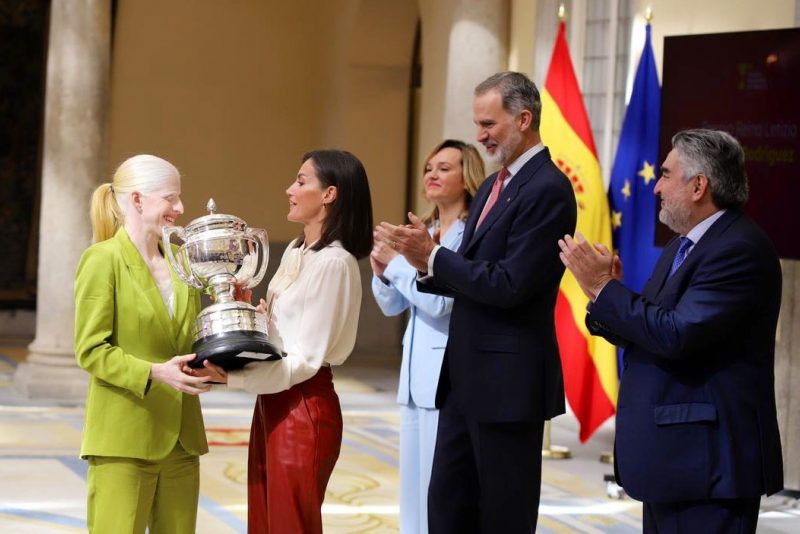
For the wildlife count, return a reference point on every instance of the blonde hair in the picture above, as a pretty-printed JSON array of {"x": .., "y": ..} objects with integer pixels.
[
  {"x": 143, "y": 173},
  {"x": 472, "y": 172}
]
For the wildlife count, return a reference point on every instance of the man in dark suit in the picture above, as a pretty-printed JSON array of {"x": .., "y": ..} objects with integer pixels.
[
  {"x": 502, "y": 372},
  {"x": 697, "y": 432}
]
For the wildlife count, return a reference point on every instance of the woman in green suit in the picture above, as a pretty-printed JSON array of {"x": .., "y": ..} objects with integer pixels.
[{"x": 143, "y": 432}]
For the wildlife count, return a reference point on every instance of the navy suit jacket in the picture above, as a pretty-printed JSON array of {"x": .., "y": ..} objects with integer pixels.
[
  {"x": 502, "y": 357},
  {"x": 696, "y": 416}
]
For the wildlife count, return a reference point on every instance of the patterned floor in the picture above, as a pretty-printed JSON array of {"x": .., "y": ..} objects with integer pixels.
[{"x": 43, "y": 483}]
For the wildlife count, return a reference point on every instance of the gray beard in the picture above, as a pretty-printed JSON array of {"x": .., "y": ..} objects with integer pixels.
[
  {"x": 504, "y": 151},
  {"x": 498, "y": 158},
  {"x": 676, "y": 220}
]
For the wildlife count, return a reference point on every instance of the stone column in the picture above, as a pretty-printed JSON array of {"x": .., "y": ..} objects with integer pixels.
[
  {"x": 787, "y": 363},
  {"x": 787, "y": 373},
  {"x": 478, "y": 49},
  {"x": 74, "y": 162},
  {"x": 463, "y": 43}
]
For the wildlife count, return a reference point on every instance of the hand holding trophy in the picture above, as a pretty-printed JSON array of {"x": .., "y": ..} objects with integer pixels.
[{"x": 218, "y": 252}]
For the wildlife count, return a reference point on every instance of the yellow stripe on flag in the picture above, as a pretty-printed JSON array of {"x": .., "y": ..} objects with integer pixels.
[{"x": 580, "y": 165}]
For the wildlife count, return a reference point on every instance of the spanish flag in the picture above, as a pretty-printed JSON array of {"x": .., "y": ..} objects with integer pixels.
[{"x": 589, "y": 363}]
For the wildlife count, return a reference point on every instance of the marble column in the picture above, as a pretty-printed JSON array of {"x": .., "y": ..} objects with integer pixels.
[
  {"x": 787, "y": 363},
  {"x": 463, "y": 43},
  {"x": 74, "y": 162},
  {"x": 478, "y": 49},
  {"x": 787, "y": 373}
]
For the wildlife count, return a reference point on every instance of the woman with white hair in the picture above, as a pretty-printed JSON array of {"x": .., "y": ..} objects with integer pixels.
[{"x": 143, "y": 431}]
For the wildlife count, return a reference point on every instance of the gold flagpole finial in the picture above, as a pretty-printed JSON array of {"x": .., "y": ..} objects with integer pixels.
[
  {"x": 562, "y": 13},
  {"x": 648, "y": 14}
]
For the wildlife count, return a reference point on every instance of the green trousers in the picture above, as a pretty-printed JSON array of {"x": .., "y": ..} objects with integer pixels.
[{"x": 126, "y": 494}]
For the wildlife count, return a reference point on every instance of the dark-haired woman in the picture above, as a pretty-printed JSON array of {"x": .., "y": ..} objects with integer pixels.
[{"x": 312, "y": 307}]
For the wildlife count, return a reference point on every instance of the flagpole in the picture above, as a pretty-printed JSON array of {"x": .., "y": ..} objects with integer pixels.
[
  {"x": 607, "y": 457},
  {"x": 550, "y": 451}
]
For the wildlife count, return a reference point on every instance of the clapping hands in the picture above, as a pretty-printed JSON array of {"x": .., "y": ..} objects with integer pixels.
[
  {"x": 593, "y": 267},
  {"x": 410, "y": 240}
]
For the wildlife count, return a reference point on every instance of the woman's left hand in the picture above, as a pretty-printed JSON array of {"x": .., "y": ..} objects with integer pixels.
[
  {"x": 215, "y": 373},
  {"x": 383, "y": 253},
  {"x": 262, "y": 307}
]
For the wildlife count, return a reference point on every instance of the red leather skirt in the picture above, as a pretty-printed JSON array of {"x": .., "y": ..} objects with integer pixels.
[{"x": 294, "y": 444}]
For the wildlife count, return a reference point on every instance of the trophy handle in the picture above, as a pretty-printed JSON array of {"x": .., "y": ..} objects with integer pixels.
[
  {"x": 262, "y": 236},
  {"x": 188, "y": 278}
]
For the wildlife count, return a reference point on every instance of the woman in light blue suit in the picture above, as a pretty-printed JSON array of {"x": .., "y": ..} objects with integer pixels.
[{"x": 453, "y": 172}]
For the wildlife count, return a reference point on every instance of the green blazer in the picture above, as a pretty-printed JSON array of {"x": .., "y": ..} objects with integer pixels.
[{"x": 122, "y": 327}]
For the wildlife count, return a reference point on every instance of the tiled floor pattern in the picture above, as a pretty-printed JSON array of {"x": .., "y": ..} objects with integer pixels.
[{"x": 43, "y": 483}]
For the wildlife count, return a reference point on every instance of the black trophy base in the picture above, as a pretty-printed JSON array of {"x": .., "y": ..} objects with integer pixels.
[{"x": 225, "y": 349}]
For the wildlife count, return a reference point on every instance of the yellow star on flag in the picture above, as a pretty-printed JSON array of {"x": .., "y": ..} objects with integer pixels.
[
  {"x": 648, "y": 172},
  {"x": 626, "y": 191},
  {"x": 616, "y": 219}
]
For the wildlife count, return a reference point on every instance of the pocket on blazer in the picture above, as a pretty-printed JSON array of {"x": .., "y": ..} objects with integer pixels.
[
  {"x": 690, "y": 412},
  {"x": 496, "y": 343}
]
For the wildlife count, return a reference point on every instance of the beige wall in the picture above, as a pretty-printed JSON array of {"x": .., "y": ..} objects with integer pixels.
[
  {"x": 686, "y": 17},
  {"x": 522, "y": 32},
  {"x": 234, "y": 93}
]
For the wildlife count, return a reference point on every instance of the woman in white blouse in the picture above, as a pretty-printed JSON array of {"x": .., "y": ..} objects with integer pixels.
[
  {"x": 312, "y": 307},
  {"x": 452, "y": 174}
]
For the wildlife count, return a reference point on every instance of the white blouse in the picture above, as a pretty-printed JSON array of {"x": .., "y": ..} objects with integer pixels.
[{"x": 314, "y": 319}]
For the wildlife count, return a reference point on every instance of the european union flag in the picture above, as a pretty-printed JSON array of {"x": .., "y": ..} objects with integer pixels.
[{"x": 634, "y": 175}]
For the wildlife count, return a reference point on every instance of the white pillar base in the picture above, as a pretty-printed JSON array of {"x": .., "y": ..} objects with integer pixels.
[{"x": 50, "y": 383}]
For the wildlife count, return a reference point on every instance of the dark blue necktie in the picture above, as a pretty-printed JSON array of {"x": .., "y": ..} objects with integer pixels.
[{"x": 681, "y": 254}]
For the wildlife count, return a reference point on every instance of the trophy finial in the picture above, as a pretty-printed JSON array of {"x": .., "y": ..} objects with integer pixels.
[{"x": 211, "y": 206}]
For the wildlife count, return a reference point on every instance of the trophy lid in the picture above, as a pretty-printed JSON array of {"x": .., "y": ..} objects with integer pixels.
[{"x": 214, "y": 221}]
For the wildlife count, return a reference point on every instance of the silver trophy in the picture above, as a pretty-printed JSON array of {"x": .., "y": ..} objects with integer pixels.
[{"x": 217, "y": 250}]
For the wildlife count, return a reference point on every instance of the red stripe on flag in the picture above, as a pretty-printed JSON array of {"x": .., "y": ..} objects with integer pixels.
[
  {"x": 562, "y": 85},
  {"x": 585, "y": 393}
]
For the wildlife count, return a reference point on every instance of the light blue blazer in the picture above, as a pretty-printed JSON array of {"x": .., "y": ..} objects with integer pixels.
[{"x": 426, "y": 334}]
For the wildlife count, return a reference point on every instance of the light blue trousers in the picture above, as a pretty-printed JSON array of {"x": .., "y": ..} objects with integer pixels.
[{"x": 417, "y": 442}]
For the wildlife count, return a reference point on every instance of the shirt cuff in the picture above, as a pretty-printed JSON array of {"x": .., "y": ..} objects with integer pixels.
[
  {"x": 236, "y": 379},
  {"x": 431, "y": 258}
]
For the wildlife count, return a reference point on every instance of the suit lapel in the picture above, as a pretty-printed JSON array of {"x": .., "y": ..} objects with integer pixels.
[
  {"x": 475, "y": 212},
  {"x": 180, "y": 301},
  {"x": 144, "y": 279},
  {"x": 507, "y": 196},
  {"x": 708, "y": 240},
  {"x": 661, "y": 279},
  {"x": 453, "y": 234},
  {"x": 661, "y": 271}
]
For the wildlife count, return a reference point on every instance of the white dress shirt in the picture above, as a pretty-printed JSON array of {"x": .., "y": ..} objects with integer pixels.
[
  {"x": 314, "y": 319},
  {"x": 701, "y": 228}
]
